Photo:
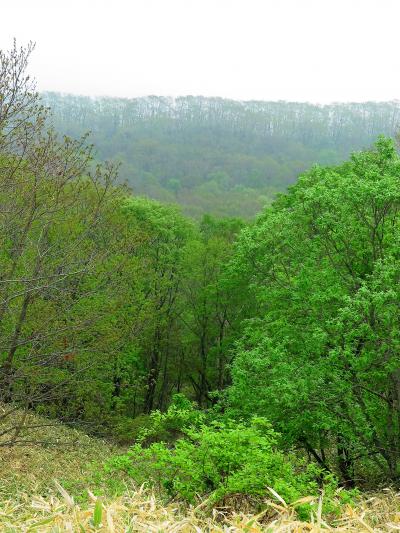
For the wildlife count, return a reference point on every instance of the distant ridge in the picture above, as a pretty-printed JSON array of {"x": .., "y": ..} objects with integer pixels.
[{"x": 216, "y": 155}]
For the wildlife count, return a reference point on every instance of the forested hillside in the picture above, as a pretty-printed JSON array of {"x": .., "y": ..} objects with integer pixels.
[
  {"x": 235, "y": 362},
  {"x": 217, "y": 156}
]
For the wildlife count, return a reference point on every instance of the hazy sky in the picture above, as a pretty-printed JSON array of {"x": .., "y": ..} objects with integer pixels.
[{"x": 315, "y": 50}]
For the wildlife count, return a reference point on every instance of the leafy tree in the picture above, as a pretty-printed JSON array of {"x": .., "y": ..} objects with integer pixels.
[
  {"x": 165, "y": 234},
  {"x": 212, "y": 311},
  {"x": 54, "y": 206},
  {"x": 320, "y": 359}
]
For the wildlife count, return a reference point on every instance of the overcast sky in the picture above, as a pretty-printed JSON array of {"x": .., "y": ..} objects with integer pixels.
[{"x": 304, "y": 50}]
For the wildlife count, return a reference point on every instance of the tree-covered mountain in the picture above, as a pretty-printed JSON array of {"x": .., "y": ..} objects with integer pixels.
[{"x": 219, "y": 156}]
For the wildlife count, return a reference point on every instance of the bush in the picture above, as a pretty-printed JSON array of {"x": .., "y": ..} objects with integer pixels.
[
  {"x": 222, "y": 459},
  {"x": 127, "y": 430},
  {"x": 156, "y": 426},
  {"x": 169, "y": 426}
]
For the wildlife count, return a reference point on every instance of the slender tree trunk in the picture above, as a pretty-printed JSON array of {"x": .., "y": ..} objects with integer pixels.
[
  {"x": 345, "y": 461},
  {"x": 152, "y": 376}
]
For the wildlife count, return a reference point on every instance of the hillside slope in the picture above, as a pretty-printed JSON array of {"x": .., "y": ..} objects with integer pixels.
[
  {"x": 224, "y": 157},
  {"x": 58, "y": 486}
]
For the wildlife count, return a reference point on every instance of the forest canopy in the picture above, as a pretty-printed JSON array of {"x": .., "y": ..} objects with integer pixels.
[{"x": 218, "y": 156}]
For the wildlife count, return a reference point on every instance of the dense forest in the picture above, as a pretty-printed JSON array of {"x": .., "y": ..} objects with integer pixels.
[
  {"x": 217, "y": 156},
  {"x": 233, "y": 357}
]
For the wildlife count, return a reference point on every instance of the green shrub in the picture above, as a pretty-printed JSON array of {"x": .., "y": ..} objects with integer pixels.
[
  {"x": 127, "y": 430},
  {"x": 157, "y": 426},
  {"x": 171, "y": 425},
  {"x": 221, "y": 459}
]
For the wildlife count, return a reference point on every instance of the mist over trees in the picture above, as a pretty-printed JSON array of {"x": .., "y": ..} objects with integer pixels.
[{"x": 218, "y": 156}]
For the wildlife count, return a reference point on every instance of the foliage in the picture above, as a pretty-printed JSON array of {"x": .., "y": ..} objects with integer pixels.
[
  {"x": 213, "y": 155},
  {"x": 319, "y": 359},
  {"x": 55, "y": 218},
  {"x": 220, "y": 459},
  {"x": 99, "y": 320},
  {"x": 120, "y": 314},
  {"x": 168, "y": 426}
]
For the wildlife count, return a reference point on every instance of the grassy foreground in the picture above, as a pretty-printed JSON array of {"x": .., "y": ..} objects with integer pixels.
[{"x": 53, "y": 487}]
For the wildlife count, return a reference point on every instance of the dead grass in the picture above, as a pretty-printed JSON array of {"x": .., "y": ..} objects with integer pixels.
[
  {"x": 63, "y": 453},
  {"x": 140, "y": 511}
]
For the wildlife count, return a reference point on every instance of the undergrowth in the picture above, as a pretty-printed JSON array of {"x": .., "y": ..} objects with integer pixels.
[{"x": 61, "y": 485}]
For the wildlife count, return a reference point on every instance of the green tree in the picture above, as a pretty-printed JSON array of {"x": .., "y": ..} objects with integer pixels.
[
  {"x": 55, "y": 208},
  {"x": 320, "y": 358},
  {"x": 212, "y": 310},
  {"x": 165, "y": 233}
]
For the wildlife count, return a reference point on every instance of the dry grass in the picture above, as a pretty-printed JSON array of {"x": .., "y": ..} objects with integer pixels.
[
  {"x": 31, "y": 500},
  {"x": 141, "y": 512},
  {"x": 64, "y": 453}
]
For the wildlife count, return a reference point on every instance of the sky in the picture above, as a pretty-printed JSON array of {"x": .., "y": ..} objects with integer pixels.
[{"x": 298, "y": 50}]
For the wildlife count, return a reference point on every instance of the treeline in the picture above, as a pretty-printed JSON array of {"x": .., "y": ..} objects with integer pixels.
[{"x": 219, "y": 156}]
